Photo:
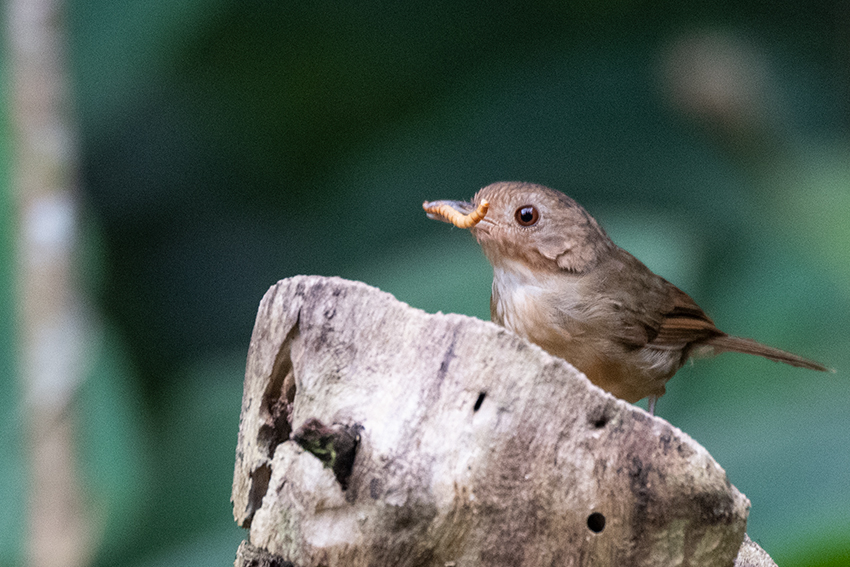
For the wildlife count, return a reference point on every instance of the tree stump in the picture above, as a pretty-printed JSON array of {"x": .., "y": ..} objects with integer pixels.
[{"x": 373, "y": 433}]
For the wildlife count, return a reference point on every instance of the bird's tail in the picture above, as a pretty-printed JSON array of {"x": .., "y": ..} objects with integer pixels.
[{"x": 726, "y": 343}]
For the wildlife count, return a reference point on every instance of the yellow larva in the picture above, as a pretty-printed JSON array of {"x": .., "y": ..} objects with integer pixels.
[{"x": 458, "y": 219}]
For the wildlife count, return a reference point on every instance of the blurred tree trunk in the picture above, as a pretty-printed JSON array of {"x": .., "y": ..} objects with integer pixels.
[{"x": 51, "y": 326}]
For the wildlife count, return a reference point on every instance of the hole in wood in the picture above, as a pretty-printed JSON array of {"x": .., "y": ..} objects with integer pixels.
[
  {"x": 259, "y": 485},
  {"x": 596, "y": 522},
  {"x": 279, "y": 397},
  {"x": 600, "y": 416},
  {"x": 335, "y": 446},
  {"x": 479, "y": 401}
]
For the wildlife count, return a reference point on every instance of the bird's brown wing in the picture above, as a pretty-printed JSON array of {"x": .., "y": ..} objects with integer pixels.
[
  {"x": 686, "y": 326},
  {"x": 675, "y": 323},
  {"x": 683, "y": 323},
  {"x": 650, "y": 311}
]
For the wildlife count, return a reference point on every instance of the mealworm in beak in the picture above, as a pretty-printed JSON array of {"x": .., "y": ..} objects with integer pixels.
[{"x": 455, "y": 217}]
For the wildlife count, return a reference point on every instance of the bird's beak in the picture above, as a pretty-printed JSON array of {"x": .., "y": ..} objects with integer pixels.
[{"x": 459, "y": 213}]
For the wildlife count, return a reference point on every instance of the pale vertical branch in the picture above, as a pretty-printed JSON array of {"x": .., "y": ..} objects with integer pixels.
[{"x": 51, "y": 326}]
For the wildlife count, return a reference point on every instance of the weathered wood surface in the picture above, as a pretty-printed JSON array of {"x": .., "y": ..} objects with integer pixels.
[
  {"x": 475, "y": 448},
  {"x": 750, "y": 555}
]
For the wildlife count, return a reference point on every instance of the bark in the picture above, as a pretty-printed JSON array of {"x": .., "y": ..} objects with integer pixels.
[{"x": 373, "y": 433}]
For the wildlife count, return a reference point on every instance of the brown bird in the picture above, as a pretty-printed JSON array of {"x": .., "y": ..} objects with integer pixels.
[{"x": 562, "y": 283}]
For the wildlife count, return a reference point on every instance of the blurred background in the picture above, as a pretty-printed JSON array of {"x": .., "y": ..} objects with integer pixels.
[{"x": 210, "y": 148}]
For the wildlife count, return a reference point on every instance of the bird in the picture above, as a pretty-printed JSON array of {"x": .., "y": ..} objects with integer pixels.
[{"x": 560, "y": 282}]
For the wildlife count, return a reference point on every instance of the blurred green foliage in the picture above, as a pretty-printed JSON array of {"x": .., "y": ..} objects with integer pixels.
[
  {"x": 12, "y": 471},
  {"x": 227, "y": 145}
]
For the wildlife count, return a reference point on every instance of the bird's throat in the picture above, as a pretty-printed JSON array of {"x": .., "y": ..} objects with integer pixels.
[{"x": 528, "y": 302}]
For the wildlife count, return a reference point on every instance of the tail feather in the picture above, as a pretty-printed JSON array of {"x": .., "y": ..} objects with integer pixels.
[{"x": 726, "y": 343}]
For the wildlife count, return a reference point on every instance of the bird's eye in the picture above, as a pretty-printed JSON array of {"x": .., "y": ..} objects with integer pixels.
[{"x": 527, "y": 215}]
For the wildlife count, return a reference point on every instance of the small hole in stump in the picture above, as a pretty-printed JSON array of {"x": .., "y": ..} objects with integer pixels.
[
  {"x": 596, "y": 522},
  {"x": 479, "y": 401},
  {"x": 599, "y": 417}
]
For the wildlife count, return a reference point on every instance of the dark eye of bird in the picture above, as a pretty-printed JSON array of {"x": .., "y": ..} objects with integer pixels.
[{"x": 527, "y": 215}]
